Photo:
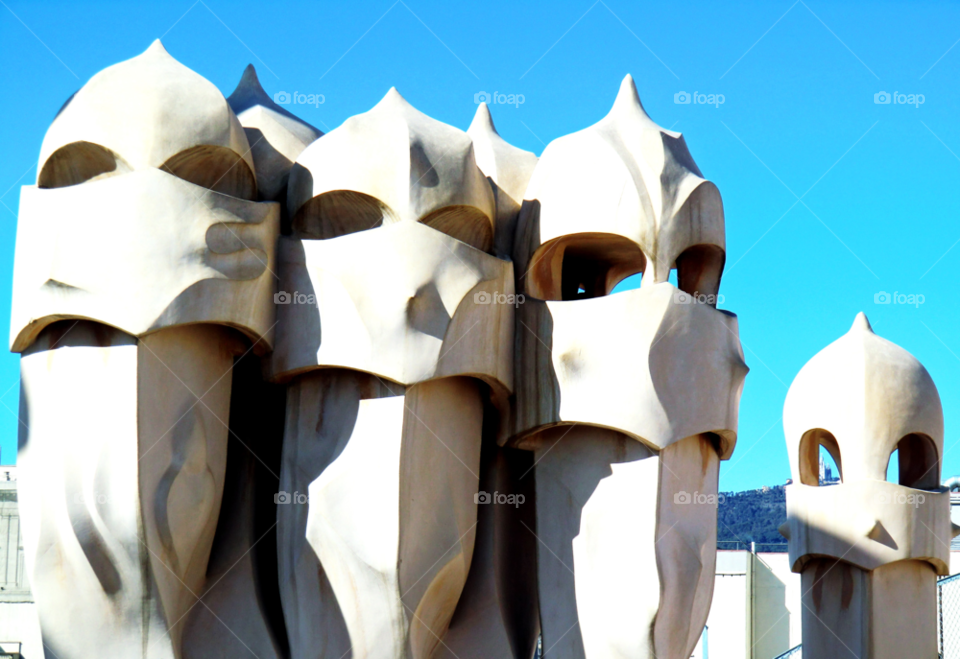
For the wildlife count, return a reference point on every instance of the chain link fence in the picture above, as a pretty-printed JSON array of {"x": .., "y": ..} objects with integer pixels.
[{"x": 948, "y": 617}]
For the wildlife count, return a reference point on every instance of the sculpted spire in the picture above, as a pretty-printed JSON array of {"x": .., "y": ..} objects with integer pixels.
[
  {"x": 392, "y": 164},
  {"x": 149, "y": 111},
  {"x": 144, "y": 266},
  {"x": 276, "y": 136},
  {"x": 868, "y": 393},
  {"x": 507, "y": 166},
  {"x": 636, "y": 183}
]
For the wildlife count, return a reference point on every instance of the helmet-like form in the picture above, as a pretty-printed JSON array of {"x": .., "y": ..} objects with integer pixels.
[{"x": 862, "y": 398}]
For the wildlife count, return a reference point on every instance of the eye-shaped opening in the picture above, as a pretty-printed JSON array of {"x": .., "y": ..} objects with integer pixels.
[
  {"x": 216, "y": 168},
  {"x": 341, "y": 212},
  {"x": 699, "y": 269},
  {"x": 810, "y": 445},
  {"x": 79, "y": 162},
  {"x": 465, "y": 223},
  {"x": 918, "y": 464},
  {"x": 582, "y": 266},
  {"x": 338, "y": 213}
]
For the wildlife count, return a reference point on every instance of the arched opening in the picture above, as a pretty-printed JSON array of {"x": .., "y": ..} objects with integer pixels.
[
  {"x": 216, "y": 168},
  {"x": 79, "y": 162},
  {"x": 813, "y": 444},
  {"x": 699, "y": 269},
  {"x": 915, "y": 463},
  {"x": 338, "y": 213},
  {"x": 582, "y": 266},
  {"x": 465, "y": 223}
]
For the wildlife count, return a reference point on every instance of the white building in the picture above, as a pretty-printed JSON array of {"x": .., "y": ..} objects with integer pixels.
[
  {"x": 756, "y": 608},
  {"x": 19, "y": 626}
]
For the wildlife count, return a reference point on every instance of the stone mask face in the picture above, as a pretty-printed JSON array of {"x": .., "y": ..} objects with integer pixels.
[
  {"x": 386, "y": 270},
  {"x": 394, "y": 301},
  {"x": 162, "y": 193},
  {"x": 143, "y": 239},
  {"x": 628, "y": 400},
  {"x": 391, "y": 327},
  {"x": 406, "y": 340},
  {"x": 868, "y": 551},
  {"x": 862, "y": 398}
]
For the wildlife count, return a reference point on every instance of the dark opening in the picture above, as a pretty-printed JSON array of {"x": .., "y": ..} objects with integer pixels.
[
  {"x": 582, "y": 266},
  {"x": 918, "y": 465},
  {"x": 810, "y": 449}
]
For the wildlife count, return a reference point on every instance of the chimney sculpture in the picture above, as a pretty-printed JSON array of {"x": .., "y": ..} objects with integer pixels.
[
  {"x": 629, "y": 401},
  {"x": 497, "y": 615},
  {"x": 431, "y": 310},
  {"x": 391, "y": 335},
  {"x": 868, "y": 551},
  {"x": 143, "y": 266},
  {"x": 243, "y": 592}
]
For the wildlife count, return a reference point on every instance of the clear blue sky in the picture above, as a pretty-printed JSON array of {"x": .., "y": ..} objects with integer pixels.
[{"x": 878, "y": 209}]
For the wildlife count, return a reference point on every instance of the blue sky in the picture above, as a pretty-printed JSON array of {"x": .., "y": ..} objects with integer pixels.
[{"x": 830, "y": 198}]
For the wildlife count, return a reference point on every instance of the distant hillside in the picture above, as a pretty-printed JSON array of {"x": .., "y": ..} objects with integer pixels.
[{"x": 752, "y": 516}]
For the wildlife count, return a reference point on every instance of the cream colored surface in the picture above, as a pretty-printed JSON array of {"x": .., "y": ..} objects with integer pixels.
[
  {"x": 508, "y": 170},
  {"x": 869, "y": 393},
  {"x": 276, "y": 136},
  {"x": 416, "y": 169},
  {"x": 146, "y": 110},
  {"x": 608, "y": 509},
  {"x": 507, "y": 166},
  {"x": 235, "y": 617},
  {"x": 141, "y": 218},
  {"x": 322, "y": 411},
  {"x": 397, "y": 578},
  {"x": 629, "y": 400},
  {"x": 404, "y": 302},
  {"x": 686, "y": 543},
  {"x": 868, "y": 551},
  {"x": 141, "y": 252},
  {"x": 640, "y": 362},
  {"x": 398, "y": 332},
  {"x": 869, "y": 524},
  {"x": 498, "y": 614},
  {"x": 119, "y": 495},
  {"x": 889, "y": 613},
  {"x": 141, "y": 263},
  {"x": 624, "y": 176},
  {"x": 385, "y": 289}
]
